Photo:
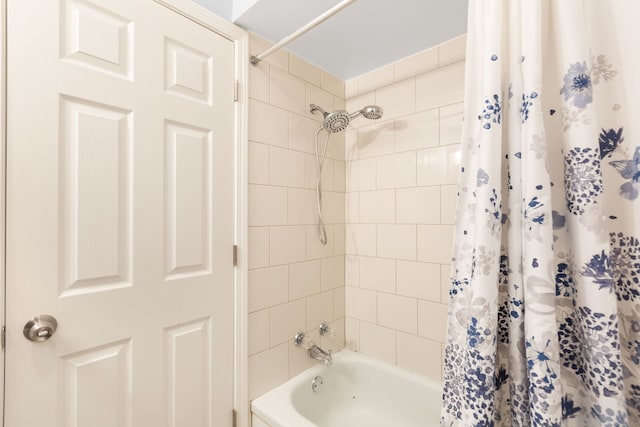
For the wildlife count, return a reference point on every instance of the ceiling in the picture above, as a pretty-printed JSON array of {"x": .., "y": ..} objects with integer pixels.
[{"x": 366, "y": 35}]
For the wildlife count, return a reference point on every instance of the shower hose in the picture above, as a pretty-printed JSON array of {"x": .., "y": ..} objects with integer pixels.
[{"x": 322, "y": 232}]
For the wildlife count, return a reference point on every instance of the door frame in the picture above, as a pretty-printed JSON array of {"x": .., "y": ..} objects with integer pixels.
[{"x": 201, "y": 16}]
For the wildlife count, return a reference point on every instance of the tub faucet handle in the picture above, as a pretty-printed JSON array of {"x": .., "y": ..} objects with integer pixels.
[
  {"x": 300, "y": 339},
  {"x": 325, "y": 329}
]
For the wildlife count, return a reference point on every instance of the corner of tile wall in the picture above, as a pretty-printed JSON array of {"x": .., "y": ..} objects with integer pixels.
[
  {"x": 294, "y": 281},
  {"x": 401, "y": 186},
  {"x": 386, "y": 183}
]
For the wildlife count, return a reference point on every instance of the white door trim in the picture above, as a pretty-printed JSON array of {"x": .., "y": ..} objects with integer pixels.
[
  {"x": 3, "y": 198},
  {"x": 211, "y": 21}
]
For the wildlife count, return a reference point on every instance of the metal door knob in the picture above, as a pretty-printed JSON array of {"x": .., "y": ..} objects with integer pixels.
[{"x": 41, "y": 328}]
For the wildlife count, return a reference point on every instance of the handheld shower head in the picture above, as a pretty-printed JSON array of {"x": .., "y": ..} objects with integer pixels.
[{"x": 371, "y": 112}]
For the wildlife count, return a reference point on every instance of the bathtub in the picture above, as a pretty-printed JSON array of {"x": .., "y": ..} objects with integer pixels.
[{"x": 356, "y": 391}]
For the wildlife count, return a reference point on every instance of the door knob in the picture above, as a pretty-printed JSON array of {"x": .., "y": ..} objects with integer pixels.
[{"x": 41, "y": 328}]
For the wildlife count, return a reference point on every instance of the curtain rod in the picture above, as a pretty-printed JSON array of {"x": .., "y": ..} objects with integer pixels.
[{"x": 255, "y": 59}]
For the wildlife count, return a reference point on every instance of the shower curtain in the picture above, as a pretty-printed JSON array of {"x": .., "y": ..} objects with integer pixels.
[{"x": 544, "y": 315}]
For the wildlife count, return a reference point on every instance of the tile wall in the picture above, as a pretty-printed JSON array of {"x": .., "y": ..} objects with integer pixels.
[
  {"x": 400, "y": 200},
  {"x": 294, "y": 282}
]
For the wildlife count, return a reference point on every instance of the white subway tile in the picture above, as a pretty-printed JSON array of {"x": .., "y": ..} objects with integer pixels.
[
  {"x": 375, "y": 79},
  {"x": 352, "y": 207},
  {"x": 268, "y": 369},
  {"x": 287, "y": 92},
  {"x": 332, "y": 272},
  {"x": 286, "y": 320},
  {"x": 398, "y": 99},
  {"x": 376, "y": 139},
  {"x": 301, "y": 206},
  {"x": 352, "y": 270},
  {"x": 339, "y": 234},
  {"x": 333, "y": 207},
  {"x": 449, "y": 200},
  {"x": 332, "y": 84},
  {"x": 396, "y": 170},
  {"x": 351, "y": 88},
  {"x": 440, "y": 87},
  {"x": 432, "y": 320},
  {"x": 258, "y": 331},
  {"x": 327, "y": 175},
  {"x": 361, "y": 303},
  {"x": 268, "y": 124},
  {"x": 310, "y": 172},
  {"x": 362, "y": 175},
  {"x": 258, "y": 163},
  {"x": 378, "y": 342},
  {"x": 304, "y": 279},
  {"x": 419, "y": 280},
  {"x": 259, "y": 82},
  {"x": 439, "y": 165},
  {"x": 378, "y": 274},
  {"x": 361, "y": 239},
  {"x": 267, "y": 205},
  {"x": 351, "y": 144},
  {"x": 452, "y": 50},
  {"x": 378, "y": 207},
  {"x": 415, "y": 64},
  {"x": 435, "y": 243},
  {"x": 338, "y": 303},
  {"x": 315, "y": 249},
  {"x": 268, "y": 287},
  {"x": 302, "y": 132},
  {"x": 420, "y": 355},
  {"x": 319, "y": 309},
  {"x": 287, "y": 244},
  {"x": 286, "y": 167},
  {"x": 258, "y": 247},
  {"x": 397, "y": 241},
  {"x": 306, "y": 71},
  {"x": 352, "y": 333},
  {"x": 339, "y": 176},
  {"x": 420, "y": 205},
  {"x": 419, "y": 130},
  {"x": 398, "y": 312},
  {"x": 451, "y": 123},
  {"x": 335, "y": 149}
]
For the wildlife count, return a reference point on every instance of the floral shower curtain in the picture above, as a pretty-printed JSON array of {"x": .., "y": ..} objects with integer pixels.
[{"x": 544, "y": 318}]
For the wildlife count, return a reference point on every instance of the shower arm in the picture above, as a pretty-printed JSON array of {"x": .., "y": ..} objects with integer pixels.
[{"x": 313, "y": 109}]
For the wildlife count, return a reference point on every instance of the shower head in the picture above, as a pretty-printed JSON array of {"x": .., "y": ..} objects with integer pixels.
[
  {"x": 371, "y": 112},
  {"x": 338, "y": 121}
]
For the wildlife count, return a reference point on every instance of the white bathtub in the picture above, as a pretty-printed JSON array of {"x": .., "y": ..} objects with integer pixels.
[{"x": 357, "y": 391}]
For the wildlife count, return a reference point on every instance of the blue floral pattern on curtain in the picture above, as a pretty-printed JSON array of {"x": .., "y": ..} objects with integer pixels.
[{"x": 544, "y": 316}]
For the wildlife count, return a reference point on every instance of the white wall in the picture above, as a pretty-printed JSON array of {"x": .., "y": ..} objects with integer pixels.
[
  {"x": 399, "y": 175},
  {"x": 294, "y": 282},
  {"x": 401, "y": 189}
]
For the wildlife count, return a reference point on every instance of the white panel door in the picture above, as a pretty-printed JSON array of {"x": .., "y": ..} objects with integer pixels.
[{"x": 120, "y": 216}]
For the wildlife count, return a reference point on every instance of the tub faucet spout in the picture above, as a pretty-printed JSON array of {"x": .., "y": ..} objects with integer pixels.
[{"x": 320, "y": 355}]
